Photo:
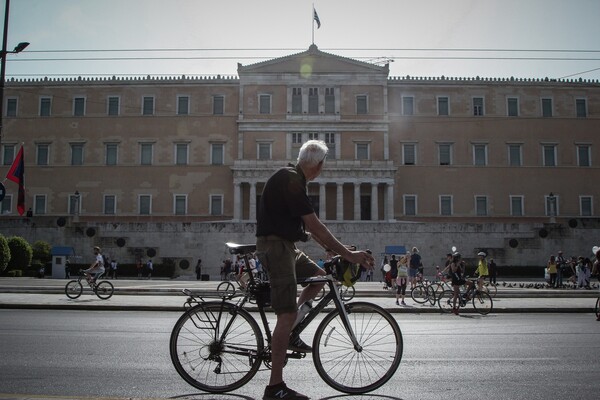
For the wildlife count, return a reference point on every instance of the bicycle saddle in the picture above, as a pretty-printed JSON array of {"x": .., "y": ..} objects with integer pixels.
[{"x": 235, "y": 248}]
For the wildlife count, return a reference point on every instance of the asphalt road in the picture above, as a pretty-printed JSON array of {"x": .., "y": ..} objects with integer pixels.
[{"x": 125, "y": 354}]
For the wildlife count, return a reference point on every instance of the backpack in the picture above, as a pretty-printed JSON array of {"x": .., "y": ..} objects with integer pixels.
[{"x": 104, "y": 261}]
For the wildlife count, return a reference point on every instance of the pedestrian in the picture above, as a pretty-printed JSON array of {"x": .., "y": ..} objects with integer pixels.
[
  {"x": 596, "y": 272},
  {"x": 113, "y": 268},
  {"x": 413, "y": 267},
  {"x": 401, "y": 280},
  {"x": 199, "y": 270},
  {"x": 561, "y": 268},
  {"x": 552, "y": 270},
  {"x": 149, "y": 268},
  {"x": 285, "y": 216},
  {"x": 393, "y": 270},
  {"x": 67, "y": 269},
  {"x": 139, "y": 268},
  {"x": 383, "y": 264},
  {"x": 492, "y": 269},
  {"x": 583, "y": 273}
]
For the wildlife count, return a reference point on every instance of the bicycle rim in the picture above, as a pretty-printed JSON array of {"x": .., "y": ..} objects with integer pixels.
[
  {"x": 104, "y": 290},
  {"x": 73, "y": 289},
  {"x": 207, "y": 360},
  {"x": 344, "y": 368},
  {"x": 445, "y": 301},
  {"x": 482, "y": 303}
]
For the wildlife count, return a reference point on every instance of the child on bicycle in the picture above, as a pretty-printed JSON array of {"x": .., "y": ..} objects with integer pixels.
[{"x": 96, "y": 268}]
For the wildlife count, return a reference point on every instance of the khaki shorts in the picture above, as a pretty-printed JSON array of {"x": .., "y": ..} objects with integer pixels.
[{"x": 285, "y": 264}]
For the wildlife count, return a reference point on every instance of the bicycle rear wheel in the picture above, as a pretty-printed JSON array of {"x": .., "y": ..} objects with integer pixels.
[
  {"x": 216, "y": 347},
  {"x": 483, "y": 303},
  {"x": 104, "y": 290},
  {"x": 445, "y": 301},
  {"x": 421, "y": 293},
  {"x": 73, "y": 289},
  {"x": 347, "y": 369}
]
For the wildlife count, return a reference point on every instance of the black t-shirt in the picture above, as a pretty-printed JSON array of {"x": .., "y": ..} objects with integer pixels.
[{"x": 283, "y": 203}]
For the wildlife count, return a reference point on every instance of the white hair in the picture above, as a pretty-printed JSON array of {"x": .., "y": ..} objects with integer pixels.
[{"x": 312, "y": 152}]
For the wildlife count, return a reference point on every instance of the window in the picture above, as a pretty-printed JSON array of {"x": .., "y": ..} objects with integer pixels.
[
  {"x": 585, "y": 206},
  {"x": 409, "y": 154},
  {"x": 45, "y": 106},
  {"x": 445, "y": 153},
  {"x": 148, "y": 105},
  {"x": 362, "y": 104},
  {"x": 313, "y": 135},
  {"x": 39, "y": 204},
  {"x": 146, "y": 150},
  {"x": 216, "y": 204},
  {"x": 264, "y": 103},
  {"x": 145, "y": 204},
  {"x": 113, "y": 105},
  {"x": 297, "y": 138},
  {"x": 183, "y": 105},
  {"x": 181, "y": 153},
  {"x": 581, "y": 108},
  {"x": 218, "y": 105},
  {"x": 551, "y": 205},
  {"x": 8, "y": 154},
  {"x": 410, "y": 204},
  {"x": 76, "y": 153},
  {"x": 11, "y": 107},
  {"x": 313, "y": 100},
  {"x": 74, "y": 204},
  {"x": 408, "y": 105},
  {"x": 42, "y": 154},
  {"x": 549, "y": 151},
  {"x": 515, "y": 155},
  {"x": 264, "y": 151},
  {"x": 480, "y": 154},
  {"x": 512, "y": 106},
  {"x": 516, "y": 206},
  {"x": 584, "y": 155},
  {"x": 443, "y": 105},
  {"x": 110, "y": 204},
  {"x": 329, "y": 101},
  {"x": 362, "y": 151},
  {"x": 481, "y": 206},
  {"x": 111, "y": 150},
  {"x": 296, "y": 100},
  {"x": 477, "y": 106},
  {"x": 330, "y": 141},
  {"x": 217, "y": 153},
  {"x": 78, "y": 106},
  {"x": 445, "y": 205},
  {"x": 180, "y": 204},
  {"x": 546, "y": 107},
  {"x": 6, "y": 204}
]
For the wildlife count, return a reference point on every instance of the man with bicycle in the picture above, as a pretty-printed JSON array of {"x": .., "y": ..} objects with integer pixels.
[
  {"x": 285, "y": 216},
  {"x": 96, "y": 268}
]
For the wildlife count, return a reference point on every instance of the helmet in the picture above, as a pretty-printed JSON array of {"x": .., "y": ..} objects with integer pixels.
[{"x": 481, "y": 253}]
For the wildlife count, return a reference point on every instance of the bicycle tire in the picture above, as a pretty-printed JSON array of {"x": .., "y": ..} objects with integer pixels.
[
  {"x": 420, "y": 294},
  {"x": 320, "y": 295},
  {"x": 104, "y": 290},
  {"x": 347, "y": 293},
  {"x": 597, "y": 308},
  {"x": 73, "y": 289},
  {"x": 490, "y": 288},
  {"x": 483, "y": 303},
  {"x": 211, "y": 365},
  {"x": 445, "y": 301},
  {"x": 226, "y": 288},
  {"x": 344, "y": 368}
]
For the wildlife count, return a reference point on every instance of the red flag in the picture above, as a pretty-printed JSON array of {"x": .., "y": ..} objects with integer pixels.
[{"x": 15, "y": 174}]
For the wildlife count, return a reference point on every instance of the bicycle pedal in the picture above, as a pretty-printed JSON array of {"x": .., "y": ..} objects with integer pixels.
[{"x": 296, "y": 354}]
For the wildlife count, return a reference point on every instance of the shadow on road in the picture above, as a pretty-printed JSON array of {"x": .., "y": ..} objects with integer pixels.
[{"x": 232, "y": 396}]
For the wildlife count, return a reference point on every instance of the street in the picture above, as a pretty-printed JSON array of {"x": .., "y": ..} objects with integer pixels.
[{"x": 126, "y": 354}]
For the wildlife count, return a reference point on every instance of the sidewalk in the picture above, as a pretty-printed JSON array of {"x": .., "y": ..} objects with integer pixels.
[{"x": 166, "y": 295}]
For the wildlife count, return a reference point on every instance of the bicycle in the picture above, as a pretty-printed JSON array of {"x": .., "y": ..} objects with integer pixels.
[
  {"x": 217, "y": 346},
  {"x": 481, "y": 300},
  {"x": 423, "y": 292},
  {"x": 103, "y": 289}
]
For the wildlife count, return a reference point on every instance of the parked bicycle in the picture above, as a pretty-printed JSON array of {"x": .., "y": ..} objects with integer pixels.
[
  {"x": 218, "y": 346},
  {"x": 481, "y": 300},
  {"x": 423, "y": 292},
  {"x": 102, "y": 289}
]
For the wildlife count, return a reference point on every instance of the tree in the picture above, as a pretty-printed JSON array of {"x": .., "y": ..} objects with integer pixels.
[
  {"x": 4, "y": 253},
  {"x": 42, "y": 251},
  {"x": 20, "y": 251}
]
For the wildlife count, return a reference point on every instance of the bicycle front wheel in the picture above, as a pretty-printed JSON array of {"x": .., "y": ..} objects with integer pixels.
[
  {"x": 362, "y": 370},
  {"x": 73, "y": 289},
  {"x": 104, "y": 290},
  {"x": 446, "y": 302},
  {"x": 491, "y": 289},
  {"x": 482, "y": 303},
  {"x": 216, "y": 347}
]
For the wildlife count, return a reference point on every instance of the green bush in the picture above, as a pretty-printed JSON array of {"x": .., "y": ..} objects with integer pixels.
[
  {"x": 42, "y": 251},
  {"x": 20, "y": 251},
  {"x": 4, "y": 253}
]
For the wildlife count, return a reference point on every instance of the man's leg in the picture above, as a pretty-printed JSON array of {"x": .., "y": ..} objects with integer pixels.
[{"x": 279, "y": 345}]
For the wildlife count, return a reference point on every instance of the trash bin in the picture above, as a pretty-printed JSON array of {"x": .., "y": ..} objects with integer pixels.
[{"x": 205, "y": 277}]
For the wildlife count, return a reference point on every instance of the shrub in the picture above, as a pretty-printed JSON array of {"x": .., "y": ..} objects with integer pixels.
[
  {"x": 4, "y": 253},
  {"x": 20, "y": 251},
  {"x": 42, "y": 251}
]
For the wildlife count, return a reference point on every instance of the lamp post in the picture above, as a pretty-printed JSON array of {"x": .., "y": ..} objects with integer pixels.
[
  {"x": 18, "y": 48},
  {"x": 76, "y": 198},
  {"x": 552, "y": 207}
]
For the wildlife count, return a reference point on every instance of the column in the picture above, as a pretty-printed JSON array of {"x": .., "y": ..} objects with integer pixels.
[
  {"x": 322, "y": 201},
  {"x": 357, "y": 201},
  {"x": 252, "y": 211},
  {"x": 237, "y": 203},
  {"x": 389, "y": 204},
  {"x": 340, "y": 202},
  {"x": 374, "y": 202}
]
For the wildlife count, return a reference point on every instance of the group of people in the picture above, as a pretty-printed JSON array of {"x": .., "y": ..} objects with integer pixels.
[
  {"x": 399, "y": 270},
  {"x": 578, "y": 270}
]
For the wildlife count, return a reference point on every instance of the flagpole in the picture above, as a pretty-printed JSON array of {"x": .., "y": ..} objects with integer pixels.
[{"x": 312, "y": 23}]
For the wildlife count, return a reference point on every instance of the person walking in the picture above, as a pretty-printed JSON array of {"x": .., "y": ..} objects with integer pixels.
[
  {"x": 286, "y": 216},
  {"x": 401, "y": 280},
  {"x": 113, "y": 268},
  {"x": 139, "y": 268},
  {"x": 552, "y": 270},
  {"x": 150, "y": 268},
  {"x": 413, "y": 267},
  {"x": 199, "y": 270},
  {"x": 492, "y": 269},
  {"x": 561, "y": 268}
]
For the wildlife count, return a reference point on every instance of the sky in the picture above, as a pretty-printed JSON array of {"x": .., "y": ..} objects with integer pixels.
[{"x": 425, "y": 38}]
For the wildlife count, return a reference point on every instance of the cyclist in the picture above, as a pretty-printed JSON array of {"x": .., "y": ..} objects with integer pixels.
[
  {"x": 96, "y": 268},
  {"x": 285, "y": 216},
  {"x": 482, "y": 270},
  {"x": 456, "y": 273}
]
